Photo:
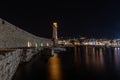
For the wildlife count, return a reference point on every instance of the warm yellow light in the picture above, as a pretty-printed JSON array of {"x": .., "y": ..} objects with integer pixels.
[
  {"x": 54, "y": 68},
  {"x": 60, "y": 42},
  {"x": 41, "y": 44},
  {"x": 76, "y": 43},
  {"x": 29, "y": 44},
  {"x": 47, "y": 44},
  {"x": 55, "y": 24},
  {"x": 36, "y": 45}
]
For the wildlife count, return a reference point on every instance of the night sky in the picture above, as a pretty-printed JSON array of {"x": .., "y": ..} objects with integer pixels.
[{"x": 88, "y": 18}]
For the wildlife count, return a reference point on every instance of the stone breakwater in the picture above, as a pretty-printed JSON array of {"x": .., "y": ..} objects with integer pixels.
[
  {"x": 10, "y": 60},
  {"x": 17, "y": 46},
  {"x": 12, "y": 36}
]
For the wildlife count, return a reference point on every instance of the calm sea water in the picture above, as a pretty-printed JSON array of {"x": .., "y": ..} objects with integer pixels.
[{"x": 78, "y": 63}]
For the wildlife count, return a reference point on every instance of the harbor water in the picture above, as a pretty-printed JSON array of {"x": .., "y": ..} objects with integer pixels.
[{"x": 77, "y": 63}]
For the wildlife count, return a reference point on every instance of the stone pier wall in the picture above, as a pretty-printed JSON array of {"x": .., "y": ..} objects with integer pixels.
[
  {"x": 10, "y": 60},
  {"x": 16, "y": 46},
  {"x": 12, "y": 36},
  {"x": 27, "y": 54}
]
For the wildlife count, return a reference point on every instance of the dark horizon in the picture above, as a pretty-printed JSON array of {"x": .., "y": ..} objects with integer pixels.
[{"x": 93, "y": 19}]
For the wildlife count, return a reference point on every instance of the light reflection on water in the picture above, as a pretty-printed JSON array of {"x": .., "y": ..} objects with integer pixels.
[
  {"x": 87, "y": 56},
  {"x": 97, "y": 58},
  {"x": 117, "y": 58},
  {"x": 78, "y": 63},
  {"x": 54, "y": 68},
  {"x": 94, "y": 57},
  {"x": 77, "y": 55},
  {"x": 101, "y": 57}
]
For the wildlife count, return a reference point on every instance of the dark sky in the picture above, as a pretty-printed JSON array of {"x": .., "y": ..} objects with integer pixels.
[{"x": 88, "y": 18}]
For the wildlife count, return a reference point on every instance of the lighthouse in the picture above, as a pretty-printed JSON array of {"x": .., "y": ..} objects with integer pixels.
[{"x": 54, "y": 35}]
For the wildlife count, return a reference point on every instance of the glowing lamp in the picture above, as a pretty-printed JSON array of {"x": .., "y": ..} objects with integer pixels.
[{"x": 55, "y": 24}]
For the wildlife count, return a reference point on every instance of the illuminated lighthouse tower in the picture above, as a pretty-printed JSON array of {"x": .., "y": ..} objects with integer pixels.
[{"x": 54, "y": 35}]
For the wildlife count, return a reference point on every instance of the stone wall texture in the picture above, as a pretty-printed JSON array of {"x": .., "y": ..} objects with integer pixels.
[{"x": 14, "y": 37}]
